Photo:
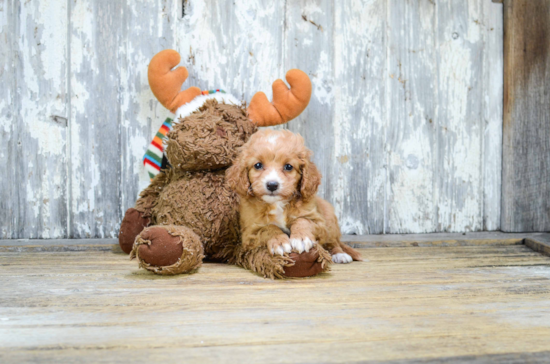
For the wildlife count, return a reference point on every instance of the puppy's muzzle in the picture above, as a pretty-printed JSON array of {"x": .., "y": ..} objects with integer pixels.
[{"x": 272, "y": 186}]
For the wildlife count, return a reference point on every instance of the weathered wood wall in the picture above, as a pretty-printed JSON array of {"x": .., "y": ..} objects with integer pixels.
[
  {"x": 526, "y": 141},
  {"x": 405, "y": 119}
]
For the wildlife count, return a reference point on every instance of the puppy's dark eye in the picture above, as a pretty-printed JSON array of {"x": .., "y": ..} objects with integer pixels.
[
  {"x": 288, "y": 167},
  {"x": 258, "y": 165}
]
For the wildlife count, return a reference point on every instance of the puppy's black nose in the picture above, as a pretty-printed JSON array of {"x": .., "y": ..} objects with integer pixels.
[{"x": 272, "y": 186}]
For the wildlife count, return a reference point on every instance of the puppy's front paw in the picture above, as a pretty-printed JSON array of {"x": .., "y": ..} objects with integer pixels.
[
  {"x": 279, "y": 245},
  {"x": 341, "y": 258},
  {"x": 300, "y": 244}
]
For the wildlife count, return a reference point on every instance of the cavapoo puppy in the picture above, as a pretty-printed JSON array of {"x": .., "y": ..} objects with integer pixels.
[{"x": 277, "y": 185}]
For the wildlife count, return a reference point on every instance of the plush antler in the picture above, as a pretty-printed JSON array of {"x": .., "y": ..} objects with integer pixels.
[
  {"x": 287, "y": 104},
  {"x": 166, "y": 83}
]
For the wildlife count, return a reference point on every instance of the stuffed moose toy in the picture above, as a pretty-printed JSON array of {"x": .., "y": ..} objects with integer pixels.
[{"x": 188, "y": 213}]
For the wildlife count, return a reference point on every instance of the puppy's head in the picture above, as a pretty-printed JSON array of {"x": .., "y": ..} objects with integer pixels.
[{"x": 274, "y": 166}]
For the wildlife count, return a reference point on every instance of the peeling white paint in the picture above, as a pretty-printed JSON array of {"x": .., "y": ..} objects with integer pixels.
[
  {"x": 234, "y": 56},
  {"x": 33, "y": 75},
  {"x": 323, "y": 89},
  {"x": 349, "y": 225}
]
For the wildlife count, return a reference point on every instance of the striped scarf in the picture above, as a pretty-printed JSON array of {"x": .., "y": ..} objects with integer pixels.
[{"x": 153, "y": 157}]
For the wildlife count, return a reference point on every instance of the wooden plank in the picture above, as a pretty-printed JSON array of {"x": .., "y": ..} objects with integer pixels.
[
  {"x": 439, "y": 239},
  {"x": 526, "y": 129},
  {"x": 459, "y": 116},
  {"x": 309, "y": 46},
  {"x": 147, "y": 28},
  {"x": 539, "y": 243},
  {"x": 492, "y": 238},
  {"x": 59, "y": 245},
  {"x": 355, "y": 132},
  {"x": 402, "y": 304},
  {"x": 411, "y": 137},
  {"x": 444, "y": 168},
  {"x": 236, "y": 46},
  {"x": 95, "y": 165},
  {"x": 538, "y": 357},
  {"x": 492, "y": 65},
  {"x": 9, "y": 210},
  {"x": 34, "y": 112},
  {"x": 244, "y": 354}
]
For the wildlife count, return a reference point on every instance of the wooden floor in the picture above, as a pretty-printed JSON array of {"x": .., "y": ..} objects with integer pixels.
[{"x": 408, "y": 304}]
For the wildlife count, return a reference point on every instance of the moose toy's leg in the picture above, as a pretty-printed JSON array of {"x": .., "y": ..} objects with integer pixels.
[
  {"x": 133, "y": 223},
  {"x": 138, "y": 218},
  {"x": 261, "y": 261},
  {"x": 168, "y": 250}
]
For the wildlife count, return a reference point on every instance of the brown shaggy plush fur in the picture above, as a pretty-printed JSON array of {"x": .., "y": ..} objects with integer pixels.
[
  {"x": 203, "y": 202},
  {"x": 149, "y": 196},
  {"x": 208, "y": 139}
]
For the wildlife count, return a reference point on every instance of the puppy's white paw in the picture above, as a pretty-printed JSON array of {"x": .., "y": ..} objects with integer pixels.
[
  {"x": 287, "y": 247},
  {"x": 342, "y": 258},
  {"x": 308, "y": 244},
  {"x": 277, "y": 250},
  {"x": 301, "y": 245},
  {"x": 297, "y": 245},
  {"x": 279, "y": 245}
]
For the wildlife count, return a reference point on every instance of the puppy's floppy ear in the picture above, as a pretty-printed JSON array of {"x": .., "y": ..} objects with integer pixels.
[
  {"x": 311, "y": 179},
  {"x": 236, "y": 176}
]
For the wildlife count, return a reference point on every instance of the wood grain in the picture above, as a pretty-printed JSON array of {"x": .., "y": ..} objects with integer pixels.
[
  {"x": 357, "y": 170},
  {"x": 402, "y": 304},
  {"x": 412, "y": 190},
  {"x": 492, "y": 67},
  {"x": 539, "y": 244},
  {"x": 9, "y": 210},
  {"x": 459, "y": 102},
  {"x": 236, "y": 46},
  {"x": 443, "y": 167},
  {"x": 357, "y": 241},
  {"x": 526, "y": 130},
  {"x": 33, "y": 106},
  {"x": 95, "y": 166}
]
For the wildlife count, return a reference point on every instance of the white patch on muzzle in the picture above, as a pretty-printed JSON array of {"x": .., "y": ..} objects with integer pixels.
[{"x": 272, "y": 176}]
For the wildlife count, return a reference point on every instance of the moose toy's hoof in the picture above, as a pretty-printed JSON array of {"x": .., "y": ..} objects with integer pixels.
[
  {"x": 168, "y": 250},
  {"x": 132, "y": 224},
  {"x": 308, "y": 264}
]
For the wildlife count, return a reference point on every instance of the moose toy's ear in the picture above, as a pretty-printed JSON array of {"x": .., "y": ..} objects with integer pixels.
[
  {"x": 166, "y": 83},
  {"x": 287, "y": 104}
]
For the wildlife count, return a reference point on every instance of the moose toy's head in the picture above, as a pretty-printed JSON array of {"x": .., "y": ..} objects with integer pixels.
[{"x": 211, "y": 126}]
